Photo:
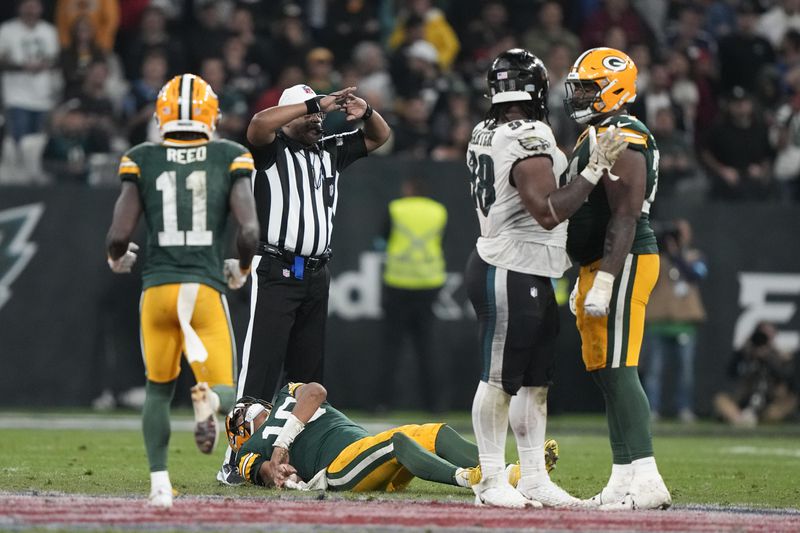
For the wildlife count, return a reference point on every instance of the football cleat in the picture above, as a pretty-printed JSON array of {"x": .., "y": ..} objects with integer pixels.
[
  {"x": 497, "y": 492},
  {"x": 550, "y": 454},
  {"x": 467, "y": 477},
  {"x": 613, "y": 492},
  {"x": 229, "y": 475},
  {"x": 548, "y": 493},
  {"x": 645, "y": 493},
  {"x": 206, "y": 427},
  {"x": 160, "y": 497}
]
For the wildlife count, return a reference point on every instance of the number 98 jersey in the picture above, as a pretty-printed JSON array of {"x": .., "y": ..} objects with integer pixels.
[
  {"x": 184, "y": 188},
  {"x": 510, "y": 236}
]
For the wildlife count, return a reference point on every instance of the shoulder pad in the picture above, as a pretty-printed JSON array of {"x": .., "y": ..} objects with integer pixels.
[{"x": 530, "y": 137}]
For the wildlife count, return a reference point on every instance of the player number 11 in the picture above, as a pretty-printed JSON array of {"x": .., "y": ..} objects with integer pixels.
[{"x": 198, "y": 235}]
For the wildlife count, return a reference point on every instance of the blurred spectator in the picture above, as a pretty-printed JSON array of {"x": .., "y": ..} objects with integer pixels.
[
  {"x": 292, "y": 39},
  {"x": 737, "y": 152},
  {"x": 687, "y": 32},
  {"x": 743, "y": 54},
  {"x": 290, "y": 76},
  {"x": 75, "y": 59},
  {"x": 484, "y": 31},
  {"x": 153, "y": 35},
  {"x": 95, "y": 101},
  {"x": 208, "y": 38},
  {"x": 258, "y": 47},
  {"x": 373, "y": 77},
  {"x": 613, "y": 13},
  {"x": 684, "y": 91},
  {"x": 66, "y": 155},
  {"x": 643, "y": 59},
  {"x": 412, "y": 132},
  {"x": 422, "y": 74},
  {"x": 566, "y": 130},
  {"x": 760, "y": 387},
  {"x": 342, "y": 24},
  {"x": 657, "y": 97},
  {"x": 455, "y": 145},
  {"x": 677, "y": 166},
  {"x": 673, "y": 315},
  {"x": 704, "y": 75},
  {"x": 102, "y": 14},
  {"x": 455, "y": 107},
  {"x": 616, "y": 38},
  {"x": 437, "y": 30},
  {"x": 721, "y": 17},
  {"x": 244, "y": 75},
  {"x": 550, "y": 31},
  {"x": 782, "y": 17},
  {"x": 140, "y": 103},
  {"x": 324, "y": 79},
  {"x": 787, "y": 137},
  {"x": 234, "y": 111},
  {"x": 28, "y": 55}
]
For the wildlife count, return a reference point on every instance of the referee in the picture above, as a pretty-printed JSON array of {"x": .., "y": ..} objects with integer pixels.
[{"x": 296, "y": 190}]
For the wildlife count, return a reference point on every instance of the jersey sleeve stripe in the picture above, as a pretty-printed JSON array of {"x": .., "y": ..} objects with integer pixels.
[
  {"x": 293, "y": 387},
  {"x": 632, "y": 136},
  {"x": 241, "y": 165},
  {"x": 127, "y": 166}
]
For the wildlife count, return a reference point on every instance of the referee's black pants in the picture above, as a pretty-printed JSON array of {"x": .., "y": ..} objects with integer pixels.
[{"x": 286, "y": 330}]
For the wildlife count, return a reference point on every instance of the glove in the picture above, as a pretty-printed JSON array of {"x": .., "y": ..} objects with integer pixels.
[
  {"x": 124, "y": 263},
  {"x": 599, "y": 296},
  {"x": 573, "y": 297},
  {"x": 234, "y": 275},
  {"x": 603, "y": 153}
]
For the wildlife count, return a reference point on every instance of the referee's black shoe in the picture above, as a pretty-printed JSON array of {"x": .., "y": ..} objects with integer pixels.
[{"x": 229, "y": 475}]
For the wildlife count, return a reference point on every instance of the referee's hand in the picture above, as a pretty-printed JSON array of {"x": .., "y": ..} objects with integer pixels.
[{"x": 336, "y": 100}]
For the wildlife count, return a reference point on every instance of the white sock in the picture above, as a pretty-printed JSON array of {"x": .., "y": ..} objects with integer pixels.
[
  {"x": 645, "y": 466},
  {"x": 490, "y": 422},
  {"x": 620, "y": 475},
  {"x": 160, "y": 479},
  {"x": 527, "y": 414}
]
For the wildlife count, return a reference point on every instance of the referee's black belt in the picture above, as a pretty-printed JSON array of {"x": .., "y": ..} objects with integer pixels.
[{"x": 312, "y": 263}]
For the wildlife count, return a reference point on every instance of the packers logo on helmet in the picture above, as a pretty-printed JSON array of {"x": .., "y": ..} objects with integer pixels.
[
  {"x": 601, "y": 81},
  {"x": 187, "y": 103},
  {"x": 240, "y": 422}
]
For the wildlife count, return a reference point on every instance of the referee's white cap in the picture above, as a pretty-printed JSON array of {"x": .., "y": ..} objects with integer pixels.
[{"x": 296, "y": 94}]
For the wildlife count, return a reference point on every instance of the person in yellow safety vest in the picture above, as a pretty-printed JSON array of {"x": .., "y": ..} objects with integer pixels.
[{"x": 413, "y": 275}]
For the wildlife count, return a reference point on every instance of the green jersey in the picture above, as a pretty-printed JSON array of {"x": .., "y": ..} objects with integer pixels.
[
  {"x": 587, "y": 227},
  {"x": 324, "y": 437},
  {"x": 184, "y": 190}
]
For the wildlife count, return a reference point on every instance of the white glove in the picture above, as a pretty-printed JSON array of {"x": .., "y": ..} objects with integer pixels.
[
  {"x": 599, "y": 296},
  {"x": 234, "y": 275},
  {"x": 603, "y": 153},
  {"x": 573, "y": 296},
  {"x": 124, "y": 263}
]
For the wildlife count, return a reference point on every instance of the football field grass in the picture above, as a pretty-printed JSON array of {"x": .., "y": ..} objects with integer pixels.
[{"x": 702, "y": 464}]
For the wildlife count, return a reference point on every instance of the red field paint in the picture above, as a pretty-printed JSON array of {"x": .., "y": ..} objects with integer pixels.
[{"x": 196, "y": 513}]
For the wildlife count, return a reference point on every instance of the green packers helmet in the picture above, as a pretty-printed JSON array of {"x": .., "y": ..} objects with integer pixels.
[{"x": 239, "y": 423}]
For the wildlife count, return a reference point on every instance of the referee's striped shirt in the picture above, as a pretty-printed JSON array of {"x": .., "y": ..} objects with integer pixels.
[{"x": 297, "y": 189}]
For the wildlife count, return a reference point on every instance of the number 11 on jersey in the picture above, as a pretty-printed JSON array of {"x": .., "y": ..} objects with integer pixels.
[{"x": 172, "y": 236}]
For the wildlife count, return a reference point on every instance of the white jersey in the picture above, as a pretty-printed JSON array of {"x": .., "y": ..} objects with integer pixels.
[
  {"x": 510, "y": 237},
  {"x": 22, "y": 45}
]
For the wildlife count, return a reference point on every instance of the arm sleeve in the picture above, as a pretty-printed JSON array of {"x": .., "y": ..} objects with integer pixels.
[
  {"x": 349, "y": 148},
  {"x": 249, "y": 465}
]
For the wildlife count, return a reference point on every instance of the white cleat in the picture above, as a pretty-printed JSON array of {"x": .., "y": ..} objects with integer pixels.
[
  {"x": 644, "y": 493},
  {"x": 548, "y": 493},
  {"x": 206, "y": 427},
  {"x": 160, "y": 497},
  {"x": 609, "y": 495},
  {"x": 498, "y": 492}
]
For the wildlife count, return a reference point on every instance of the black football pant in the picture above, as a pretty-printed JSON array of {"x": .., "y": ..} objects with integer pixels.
[{"x": 286, "y": 330}]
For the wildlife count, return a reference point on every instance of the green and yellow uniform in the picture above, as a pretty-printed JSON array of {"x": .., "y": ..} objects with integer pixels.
[
  {"x": 615, "y": 340},
  {"x": 184, "y": 188},
  {"x": 352, "y": 458}
]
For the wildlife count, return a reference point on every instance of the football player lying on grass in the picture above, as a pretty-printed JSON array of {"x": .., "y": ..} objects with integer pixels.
[{"x": 305, "y": 438}]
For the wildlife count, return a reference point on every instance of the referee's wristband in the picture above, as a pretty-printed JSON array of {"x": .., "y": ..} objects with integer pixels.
[
  {"x": 368, "y": 113},
  {"x": 312, "y": 105}
]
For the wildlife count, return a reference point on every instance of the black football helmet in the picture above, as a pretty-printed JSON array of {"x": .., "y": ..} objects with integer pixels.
[{"x": 517, "y": 75}]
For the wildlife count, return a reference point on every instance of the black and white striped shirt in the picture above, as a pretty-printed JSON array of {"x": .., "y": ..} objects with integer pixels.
[{"x": 296, "y": 188}]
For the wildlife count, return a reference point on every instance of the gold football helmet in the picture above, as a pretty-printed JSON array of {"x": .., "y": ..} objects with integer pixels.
[
  {"x": 601, "y": 81},
  {"x": 239, "y": 423},
  {"x": 187, "y": 103}
]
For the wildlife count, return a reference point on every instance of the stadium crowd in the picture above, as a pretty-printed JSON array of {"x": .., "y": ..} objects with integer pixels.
[{"x": 719, "y": 80}]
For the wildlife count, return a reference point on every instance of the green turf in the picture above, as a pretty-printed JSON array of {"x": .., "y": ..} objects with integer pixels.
[{"x": 703, "y": 464}]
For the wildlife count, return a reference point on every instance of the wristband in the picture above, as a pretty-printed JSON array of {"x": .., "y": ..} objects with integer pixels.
[
  {"x": 312, "y": 105},
  {"x": 291, "y": 429},
  {"x": 367, "y": 113}
]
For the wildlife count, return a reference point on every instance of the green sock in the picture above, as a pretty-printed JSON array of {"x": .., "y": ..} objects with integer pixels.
[
  {"x": 619, "y": 449},
  {"x": 631, "y": 409},
  {"x": 455, "y": 449},
  {"x": 227, "y": 397},
  {"x": 422, "y": 463},
  {"x": 155, "y": 423}
]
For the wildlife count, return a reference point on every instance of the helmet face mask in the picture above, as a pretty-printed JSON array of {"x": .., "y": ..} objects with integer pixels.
[
  {"x": 240, "y": 422},
  {"x": 600, "y": 82},
  {"x": 517, "y": 75}
]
